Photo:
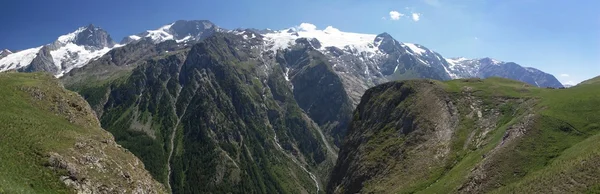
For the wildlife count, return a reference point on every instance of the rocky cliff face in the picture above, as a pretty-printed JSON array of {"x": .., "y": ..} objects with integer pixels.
[
  {"x": 42, "y": 62},
  {"x": 56, "y": 145},
  {"x": 468, "y": 136},
  {"x": 95, "y": 37}
]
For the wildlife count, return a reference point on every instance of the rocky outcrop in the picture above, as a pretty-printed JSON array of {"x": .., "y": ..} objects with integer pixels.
[{"x": 42, "y": 62}]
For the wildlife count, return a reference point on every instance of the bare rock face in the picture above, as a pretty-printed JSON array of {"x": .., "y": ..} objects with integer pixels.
[
  {"x": 94, "y": 37},
  {"x": 42, "y": 62}
]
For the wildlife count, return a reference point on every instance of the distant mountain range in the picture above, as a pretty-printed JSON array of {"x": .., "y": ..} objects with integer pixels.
[
  {"x": 208, "y": 109},
  {"x": 372, "y": 58},
  {"x": 487, "y": 67}
]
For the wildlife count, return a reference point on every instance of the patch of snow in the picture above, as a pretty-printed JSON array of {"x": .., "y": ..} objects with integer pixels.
[
  {"x": 496, "y": 62},
  {"x": 424, "y": 63},
  {"x": 450, "y": 73},
  {"x": 329, "y": 37},
  {"x": 415, "y": 49},
  {"x": 135, "y": 37},
  {"x": 531, "y": 70},
  {"x": 287, "y": 75},
  {"x": 162, "y": 34},
  {"x": 455, "y": 61},
  {"x": 397, "y": 63},
  {"x": 238, "y": 32},
  {"x": 64, "y": 39},
  {"x": 18, "y": 59},
  {"x": 73, "y": 56},
  {"x": 187, "y": 38}
]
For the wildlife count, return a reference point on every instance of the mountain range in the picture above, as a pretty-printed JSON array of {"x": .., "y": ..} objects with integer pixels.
[
  {"x": 302, "y": 110},
  {"x": 371, "y": 58}
]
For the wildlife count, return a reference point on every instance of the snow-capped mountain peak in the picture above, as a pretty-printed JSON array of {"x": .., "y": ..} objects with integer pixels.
[
  {"x": 69, "y": 51},
  {"x": 161, "y": 34},
  {"x": 4, "y": 53},
  {"x": 328, "y": 37},
  {"x": 491, "y": 61},
  {"x": 18, "y": 59},
  {"x": 356, "y": 56},
  {"x": 70, "y": 37},
  {"x": 489, "y": 67},
  {"x": 90, "y": 36},
  {"x": 180, "y": 31}
]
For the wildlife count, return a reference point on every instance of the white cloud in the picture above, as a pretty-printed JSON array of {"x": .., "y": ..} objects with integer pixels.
[
  {"x": 395, "y": 15},
  {"x": 416, "y": 17},
  {"x": 307, "y": 27},
  {"x": 570, "y": 82},
  {"x": 564, "y": 75}
]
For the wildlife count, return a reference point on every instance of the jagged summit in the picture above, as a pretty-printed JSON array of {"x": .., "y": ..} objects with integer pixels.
[
  {"x": 490, "y": 61},
  {"x": 89, "y": 35},
  {"x": 4, "y": 53},
  {"x": 180, "y": 31}
]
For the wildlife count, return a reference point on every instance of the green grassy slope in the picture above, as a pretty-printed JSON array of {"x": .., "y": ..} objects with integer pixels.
[
  {"x": 565, "y": 117},
  {"x": 39, "y": 119},
  {"x": 542, "y": 140}
]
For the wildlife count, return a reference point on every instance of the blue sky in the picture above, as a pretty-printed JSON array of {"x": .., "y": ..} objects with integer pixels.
[{"x": 557, "y": 36}]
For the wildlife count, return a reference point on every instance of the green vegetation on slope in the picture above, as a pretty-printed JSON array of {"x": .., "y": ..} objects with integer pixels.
[
  {"x": 45, "y": 130},
  {"x": 28, "y": 132},
  {"x": 215, "y": 119},
  {"x": 506, "y": 136},
  {"x": 564, "y": 117}
]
